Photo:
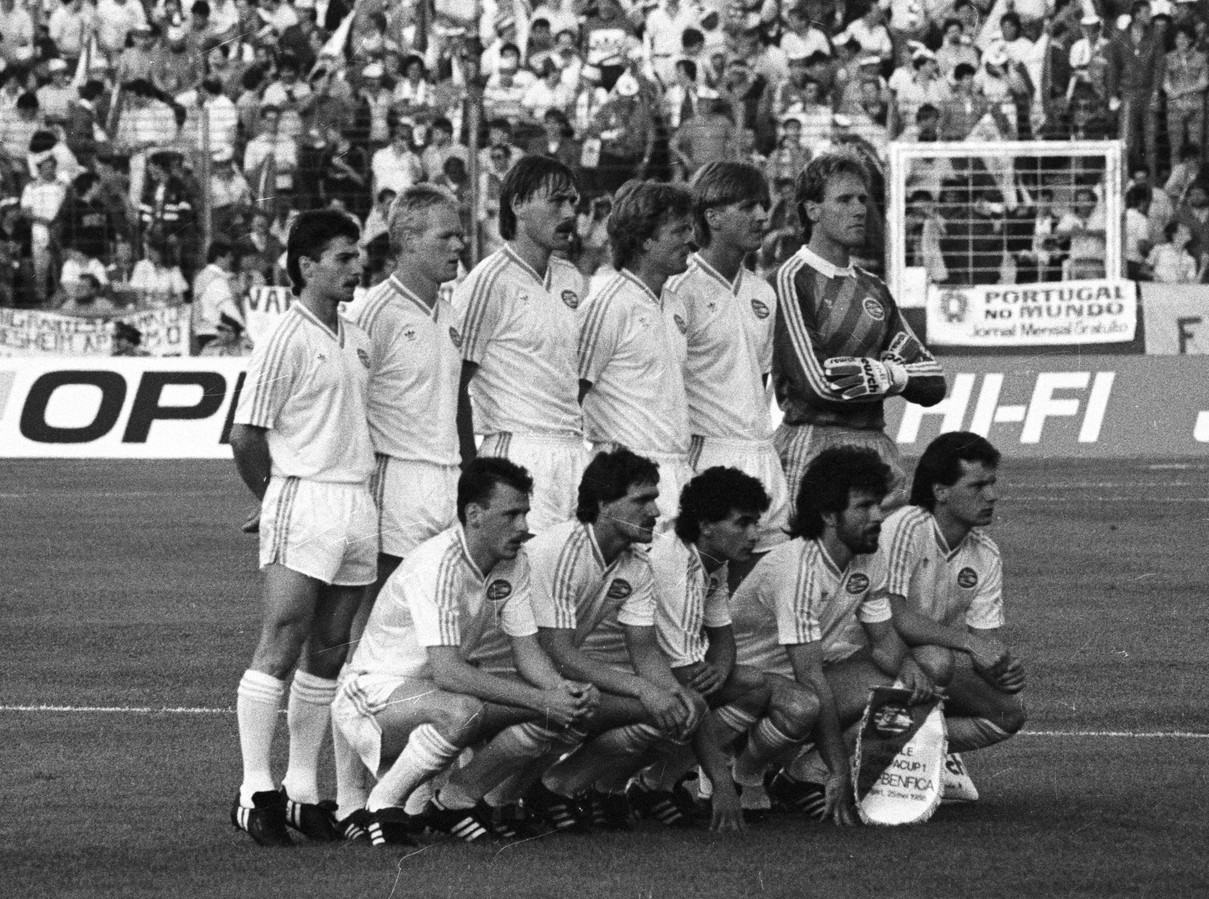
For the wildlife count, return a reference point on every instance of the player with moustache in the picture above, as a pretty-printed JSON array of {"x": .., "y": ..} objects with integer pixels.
[
  {"x": 413, "y": 395},
  {"x": 815, "y": 610},
  {"x": 946, "y": 590},
  {"x": 417, "y": 695},
  {"x": 518, "y": 311},
  {"x": 730, "y": 314},
  {"x": 302, "y": 445},
  {"x": 632, "y": 337},
  {"x": 841, "y": 347}
]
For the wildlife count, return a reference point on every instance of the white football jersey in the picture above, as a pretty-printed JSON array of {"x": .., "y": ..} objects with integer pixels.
[
  {"x": 438, "y": 597},
  {"x": 953, "y": 587},
  {"x": 688, "y": 599},
  {"x": 519, "y": 328},
  {"x": 308, "y": 385},
  {"x": 797, "y": 594},
  {"x": 632, "y": 349},
  {"x": 574, "y": 589},
  {"x": 729, "y": 350},
  {"x": 417, "y": 365}
]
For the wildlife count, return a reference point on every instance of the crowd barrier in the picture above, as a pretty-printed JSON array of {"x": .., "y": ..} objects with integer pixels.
[{"x": 1029, "y": 406}]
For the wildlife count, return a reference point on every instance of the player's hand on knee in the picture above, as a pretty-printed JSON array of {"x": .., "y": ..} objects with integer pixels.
[
  {"x": 726, "y": 815},
  {"x": 988, "y": 654},
  {"x": 840, "y": 805},
  {"x": 706, "y": 679},
  {"x": 586, "y": 694},
  {"x": 667, "y": 710},
  {"x": 913, "y": 678},
  {"x": 252, "y": 524},
  {"x": 561, "y": 708},
  {"x": 1011, "y": 678}
]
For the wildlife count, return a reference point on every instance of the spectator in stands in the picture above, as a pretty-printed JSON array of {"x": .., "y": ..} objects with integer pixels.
[
  {"x": 41, "y": 202},
  {"x": 1133, "y": 57},
  {"x": 54, "y": 96},
  {"x": 296, "y": 39},
  {"x": 342, "y": 181},
  {"x": 441, "y": 146},
  {"x": 1137, "y": 231},
  {"x": 1171, "y": 263},
  {"x": 270, "y": 160},
  {"x": 17, "y": 26},
  {"x": 709, "y": 136},
  {"x": 507, "y": 87},
  {"x": 373, "y": 101},
  {"x": 625, "y": 127},
  {"x": 955, "y": 49},
  {"x": 127, "y": 340},
  {"x": 17, "y": 131},
  {"x": 70, "y": 26},
  {"x": 964, "y": 108},
  {"x": 166, "y": 210},
  {"x": 291, "y": 96},
  {"x": 157, "y": 280},
  {"x": 86, "y": 297},
  {"x": 1194, "y": 212},
  {"x": 1081, "y": 231},
  {"x": 230, "y": 339},
  {"x": 379, "y": 215},
  {"x": 213, "y": 292},
  {"x": 1185, "y": 83},
  {"x": 912, "y": 88},
  {"x": 174, "y": 69},
  {"x": 88, "y": 225},
  {"x": 396, "y": 166},
  {"x": 663, "y": 30},
  {"x": 548, "y": 92},
  {"x": 558, "y": 141},
  {"x": 414, "y": 95}
]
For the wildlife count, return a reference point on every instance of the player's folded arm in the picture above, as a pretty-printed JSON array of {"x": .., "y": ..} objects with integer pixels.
[
  {"x": 806, "y": 659},
  {"x": 917, "y": 629},
  {"x": 454, "y": 674},
  {"x": 573, "y": 663}
]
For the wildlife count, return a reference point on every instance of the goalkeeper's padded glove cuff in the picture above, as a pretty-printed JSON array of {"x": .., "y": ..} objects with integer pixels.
[{"x": 897, "y": 373}]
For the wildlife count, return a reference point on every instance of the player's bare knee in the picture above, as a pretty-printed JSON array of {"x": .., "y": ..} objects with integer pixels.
[
  {"x": 280, "y": 647},
  {"x": 937, "y": 662},
  {"x": 458, "y": 719},
  {"x": 794, "y": 709},
  {"x": 1011, "y": 714}
]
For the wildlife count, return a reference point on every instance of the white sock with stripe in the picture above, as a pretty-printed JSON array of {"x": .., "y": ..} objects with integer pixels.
[
  {"x": 765, "y": 742},
  {"x": 308, "y": 717},
  {"x": 256, "y": 705},
  {"x": 426, "y": 753},
  {"x": 512, "y": 749},
  {"x": 607, "y": 760}
]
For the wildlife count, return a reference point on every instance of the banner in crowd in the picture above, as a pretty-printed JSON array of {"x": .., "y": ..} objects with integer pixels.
[
  {"x": 1039, "y": 406},
  {"x": 31, "y": 332},
  {"x": 1176, "y": 319},
  {"x": 1073, "y": 312}
]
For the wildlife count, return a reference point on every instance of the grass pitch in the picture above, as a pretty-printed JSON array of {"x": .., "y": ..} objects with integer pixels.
[{"x": 128, "y": 587}]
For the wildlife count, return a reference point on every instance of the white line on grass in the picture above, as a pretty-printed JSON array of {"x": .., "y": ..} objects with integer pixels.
[{"x": 194, "y": 710}]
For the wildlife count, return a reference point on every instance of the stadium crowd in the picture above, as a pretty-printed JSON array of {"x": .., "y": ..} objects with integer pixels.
[{"x": 147, "y": 145}]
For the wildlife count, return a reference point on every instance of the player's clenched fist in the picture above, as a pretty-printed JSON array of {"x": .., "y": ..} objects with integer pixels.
[{"x": 857, "y": 377}]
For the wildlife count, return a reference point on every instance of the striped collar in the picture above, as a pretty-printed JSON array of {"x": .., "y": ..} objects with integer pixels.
[
  {"x": 640, "y": 285},
  {"x": 405, "y": 293},
  {"x": 337, "y": 335},
  {"x": 827, "y": 560},
  {"x": 822, "y": 266},
  {"x": 466, "y": 557},
  {"x": 524, "y": 266},
  {"x": 592, "y": 542},
  {"x": 712, "y": 272}
]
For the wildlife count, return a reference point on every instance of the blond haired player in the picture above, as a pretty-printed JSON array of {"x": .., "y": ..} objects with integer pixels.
[
  {"x": 730, "y": 314},
  {"x": 302, "y": 445},
  {"x": 518, "y": 309},
  {"x": 631, "y": 337}
]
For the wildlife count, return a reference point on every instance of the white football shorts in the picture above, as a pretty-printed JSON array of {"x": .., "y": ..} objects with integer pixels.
[
  {"x": 416, "y": 500},
  {"x": 323, "y": 530}
]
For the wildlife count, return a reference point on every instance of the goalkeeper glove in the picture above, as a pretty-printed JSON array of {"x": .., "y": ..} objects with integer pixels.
[
  {"x": 903, "y": 349},
  {"x": 857, "y": 377}
]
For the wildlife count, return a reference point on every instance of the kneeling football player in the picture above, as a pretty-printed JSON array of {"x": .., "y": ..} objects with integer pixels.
[
  {"x": 814, "y": 610},
  {"x": 945, "y": 581}
]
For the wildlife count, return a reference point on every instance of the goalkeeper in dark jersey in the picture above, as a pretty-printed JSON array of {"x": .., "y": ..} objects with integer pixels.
[{"x": 841, "y": 345}]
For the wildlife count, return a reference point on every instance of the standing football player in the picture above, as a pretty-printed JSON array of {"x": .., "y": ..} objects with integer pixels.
[
  {"x": 841, "y": 346},
  {"x": 729, "y": 312},
  {"x": 518, "y": 309},
  {"x": 631, "y": 337},
  {"x": 302, "y": 445}
]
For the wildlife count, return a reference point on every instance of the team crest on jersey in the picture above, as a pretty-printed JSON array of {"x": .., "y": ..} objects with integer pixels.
[
  {"x": 874, "y": 309},
  {"x": 680, "y": 323},
  {"x": 571, "y": 298},
  {"x": 967, "y": 578},
  {"x": 498, "y": 591},
  {"x": 363, "y": 356},
  {"x": 410, "y": 333},
  {"x": 455, "y": 337},
  {"x": 858, "y": 583},
  {"x": 760, "y": 308},
  {"x": 620, "y": 589}
]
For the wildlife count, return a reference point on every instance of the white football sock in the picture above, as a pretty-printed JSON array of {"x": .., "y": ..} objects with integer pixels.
[
  {"x": 256, "y": 705},
  {"x": 308, "y": 717},
  {"x": 512, "y": 749},
  {"x": 765, "y": 742},
  {"x": 426, "y": 753}
]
